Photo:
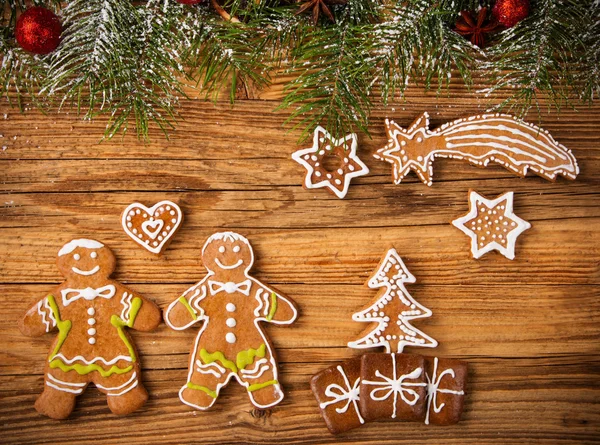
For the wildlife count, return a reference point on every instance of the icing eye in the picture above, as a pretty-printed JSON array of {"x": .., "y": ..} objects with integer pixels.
[
  {"x": 222, "y": 249},
  {"x": 236, "y": 249},
  {"x": 77, "y": 257},
  {"x": 94, "y": 255}
]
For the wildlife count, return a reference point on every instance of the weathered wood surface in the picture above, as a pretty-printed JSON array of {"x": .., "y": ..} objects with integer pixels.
[{"x": 529, "y": 328}]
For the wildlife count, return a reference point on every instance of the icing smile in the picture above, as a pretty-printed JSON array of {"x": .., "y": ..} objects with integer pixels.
[
  {"x": 86, "y": 272},
  {"x": 233, "y": 266}
]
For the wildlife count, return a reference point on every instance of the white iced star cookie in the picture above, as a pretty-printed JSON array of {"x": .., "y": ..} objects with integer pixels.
[
  {"x": 337, "y": 180},
  {"x": 492, "y": 224}
]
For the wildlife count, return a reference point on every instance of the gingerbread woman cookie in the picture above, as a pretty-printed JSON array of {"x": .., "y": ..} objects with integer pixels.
[
  {"x": 91, "y": 312},
  {"x": 231, "y": 305}
]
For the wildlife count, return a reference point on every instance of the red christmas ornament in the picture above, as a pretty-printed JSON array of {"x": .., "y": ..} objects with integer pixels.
[
  {"x": 510, "y": 12},
  {"x": 38, "y": 30}
]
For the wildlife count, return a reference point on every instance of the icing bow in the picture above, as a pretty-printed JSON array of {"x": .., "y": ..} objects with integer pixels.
[
  {"x": 229, "y": 287},
  {"x": 338, "y": 394},
  {"x": 88, "y": 293},
  {"x": 433, "y": 389},
  {"x": 396, "y": 386}
]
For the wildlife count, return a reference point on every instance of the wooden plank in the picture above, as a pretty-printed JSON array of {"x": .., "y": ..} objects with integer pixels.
[
  {"x": 528, "y": 327},
  {"x": 551, "y": 252}
]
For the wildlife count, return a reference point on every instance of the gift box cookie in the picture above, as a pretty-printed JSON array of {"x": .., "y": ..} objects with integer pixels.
[
  {"x": 393, "y": 386},
  {"x": 446, "y": 381},
  {"x": 337, "y": 391}
]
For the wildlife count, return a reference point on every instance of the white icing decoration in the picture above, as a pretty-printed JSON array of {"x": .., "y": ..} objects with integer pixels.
[
  {"x": 111, "y": 390},
  {"x": 126, "y": 302},
  {"x": 91, "y": 311},
  {"x": 229, "y": 267},
  {"x": 229, "y": 287},
  {"x": 230, "y": 307},
  {"x": 93, "y": 360},
  {"x": 433, "y": 389},
  {"x": 230, "y": 322},
  {"x": 255, "y": 368},
  {"x": 152, "y": 227},
  {"x": 88, "y": 294},
  {"x": 91, "y": 340},
  {"x": 77, "y": 257},
  {"x": 396, "y": 386},
  {"x": 479, "y": 244},
  {"x": 85, "y": 243},
  {"x": 320, "y": 133},
  {"x": 393, "y": 280},
  {"x": 351, "y": 394},
  {"x": 207, "y": 369},
  {"x": 85, "y": 272},
  {"x": 230, "y": 337},
  {"x": 94, "y": 255},
  {"x": 154, "y": 231},
  {"x": 42, "y": 314},
  {"x": 73, "y": 388}
]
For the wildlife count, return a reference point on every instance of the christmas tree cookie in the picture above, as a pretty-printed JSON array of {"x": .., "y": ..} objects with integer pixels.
[{"x": 391, "y": 314}]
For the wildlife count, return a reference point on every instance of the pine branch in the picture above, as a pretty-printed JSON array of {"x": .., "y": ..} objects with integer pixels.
[
  {"x": 331, "y": 83},
  {"x": 535, "y": 57}
]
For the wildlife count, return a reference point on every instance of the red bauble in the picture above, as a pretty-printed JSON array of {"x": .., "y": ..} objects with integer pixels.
[
  {"x": 510, "y": 12},
  {"x": 38, "y": 30}
]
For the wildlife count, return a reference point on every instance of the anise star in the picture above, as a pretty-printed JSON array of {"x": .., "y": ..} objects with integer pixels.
[
  {"x": 467, "y": 26},
  {"x": 318, "y": 6}
]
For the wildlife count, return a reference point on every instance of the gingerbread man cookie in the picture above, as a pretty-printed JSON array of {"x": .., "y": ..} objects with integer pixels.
[
  {"x": 231, "y": 305},
  {"x": 91, "y": 312}
]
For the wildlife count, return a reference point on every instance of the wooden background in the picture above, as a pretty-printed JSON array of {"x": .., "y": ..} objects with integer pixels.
[{"x": 529, "y": 328}]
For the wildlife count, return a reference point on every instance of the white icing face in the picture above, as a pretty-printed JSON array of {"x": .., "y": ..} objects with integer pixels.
[
  {"x": 86, "y": 262},
  {"x": 228, "y": 255}
]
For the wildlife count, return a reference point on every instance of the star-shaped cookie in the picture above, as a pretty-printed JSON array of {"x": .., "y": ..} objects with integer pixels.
[
  {"x": 491, "y": 224},
  {"x": 338, "y": 179}
]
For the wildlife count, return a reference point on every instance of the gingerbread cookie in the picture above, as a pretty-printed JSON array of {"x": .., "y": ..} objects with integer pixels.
[
  {"x": 446, "y": 382},
  {"x": 91, "y": 312},
  {"x": 337, "y": 390},
  {"x": 516, "y": 145},
  {"x": 393, "y": 386},
  {"x": 231, "y": 306},
  {"x": 392, "y": 310},
  {"x": 491, "y": 224},
  {"x": 337, "y": 180},
  {"x": 152, "y": 228}
]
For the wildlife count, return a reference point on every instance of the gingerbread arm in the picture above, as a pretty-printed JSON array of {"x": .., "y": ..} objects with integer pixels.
[
  {"x": 40, "y": 318},
  {"x": 138, "y": 312},
  {"x": 186, "y": 310},
  {"x": 275, "y": 307}
]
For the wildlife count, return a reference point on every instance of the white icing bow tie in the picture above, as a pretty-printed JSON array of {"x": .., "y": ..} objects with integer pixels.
[
  {"x": 229, "y": 287},
  {"x": 88, "y": 293}
]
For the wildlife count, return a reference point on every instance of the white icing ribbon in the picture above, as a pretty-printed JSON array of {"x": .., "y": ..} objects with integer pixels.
[
  {"x": 433, "y": 389},
  {"x": 42, "y": 314},
  {"x": 215, "y": 287},
  {"x": 116, "y": 388},
  {"x": 396, "y": 385},
  {"x": 351, "y": 394},
  {"x": 88, "y": 293},
  {"x": 82, "y": 359}
]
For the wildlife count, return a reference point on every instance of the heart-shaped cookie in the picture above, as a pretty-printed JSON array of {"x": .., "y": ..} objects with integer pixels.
[{"x": 152, "y": 227}]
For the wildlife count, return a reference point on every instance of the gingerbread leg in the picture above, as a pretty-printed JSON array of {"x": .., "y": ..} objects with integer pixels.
[
  {"x": 202, "y": 389},
  {"x": 60, "y": 390},
  {"x": 124, "y": 392},
  {"x": 263, "y": 387}
]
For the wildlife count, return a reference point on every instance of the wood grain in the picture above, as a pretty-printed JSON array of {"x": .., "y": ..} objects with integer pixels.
[{"x": 529, "y": 328}]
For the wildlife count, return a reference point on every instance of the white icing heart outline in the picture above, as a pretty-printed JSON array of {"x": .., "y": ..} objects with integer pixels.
[
  {"x": 150, "y": 211},
  {"x": 157, "y": 223}
]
